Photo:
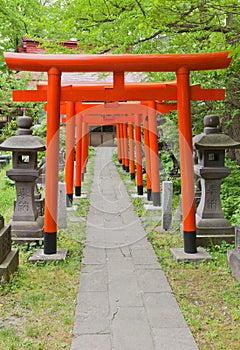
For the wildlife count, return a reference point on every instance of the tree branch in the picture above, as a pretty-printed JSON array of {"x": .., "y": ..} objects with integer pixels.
[
  {"x": 181, "y": 28},
  {"x": 141, "y": 8}
]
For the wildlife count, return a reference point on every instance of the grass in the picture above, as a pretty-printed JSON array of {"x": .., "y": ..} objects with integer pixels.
[
  {"x": 37, "y": 306},
  {"x": 7, "y": 194},
  {"x": 207, "y": 293}
]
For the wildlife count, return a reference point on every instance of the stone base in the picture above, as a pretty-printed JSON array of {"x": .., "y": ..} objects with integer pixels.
[
  {"x": 233, "y": 257},
  {"x": 27, "y": 231},
  {"x": 141, "y": 196},
  {"x": 181, "y": 256},
  {"x": 72, "y": 208},
  {"x": 206, "y": 241},
  {"x": 151, "y": 207},
  {"x": 213, "y": 231},
  {"x": 206, "y": 237},
  {"x": 9, "y": 265},
  {"x": 78, "y": 198},
  {"x": 39, "y": 255}
]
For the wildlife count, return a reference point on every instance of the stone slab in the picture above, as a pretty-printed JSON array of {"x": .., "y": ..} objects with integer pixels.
[
  {"x": 62, "y": 205},
  {"x": 72, "y": 208},
  {"x": 209, "y": 239},
  {"x": 173, "y": 339},
  {"x": 83, "y": 196},
  {"x": 39, "y": 255},
  {"x": 151, "y": 218},
  {"x": 5, "y": 242},
  {"x": 92, "y": 341},
  {"x": 77, "y": 219},
  {"x": 142, "y": 256},
  {"x": 142, "y": 197},
  {"x": 92, "y": 314},
  {"x": 151, "y": 207},
  {"x": 93, "y": 278},
  {"x": 119, "y": 252},
  {"x": 9, "y": 265},
  {"x": 167, "y": 193},
  {"x": 93, "y": 255},
  {"x": 180, "y": 256},
  {"x": 123, "y": 289},
  {"x": 131, "y": 329},
  {"x": 123, "y": 293},
  {"x": 153, "y": 281},
  {"x": 163, "y": 310},
  {"x": 233, "y": 257},
  {"x": 27, "y": 240}
]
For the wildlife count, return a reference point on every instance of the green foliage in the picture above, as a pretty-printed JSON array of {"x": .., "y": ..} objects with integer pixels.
[
  {"x": 138, "y": 206},
  {"x": 16, "y": 19},
  {"x": 9, "y": 81},
  {"x": 136, "y": 26},
  {"x": 230, "y": 194},
  {"x": 7, "y": 194}
]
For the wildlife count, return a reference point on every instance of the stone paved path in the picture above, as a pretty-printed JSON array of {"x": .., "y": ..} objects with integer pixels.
[{"x": 124, "y": 300}]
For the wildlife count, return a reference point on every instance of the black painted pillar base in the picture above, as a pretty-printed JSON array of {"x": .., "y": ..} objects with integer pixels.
[
  {"x": 69, "y": 197},
  {"x": 127, "y": 168},
  {"x": 123, "y": 166},
  {"x": 132, "y": 175},
  {"x": 189, "y": 239},
  {"x": 149, "y": 194},
  {"x": 140, "y": 190},
  {"x": 50, "y": 242},
  {"x": 120, "y": 161},
  {"x": 77, "y": 191},
  {"x": 156, "y": 199}
]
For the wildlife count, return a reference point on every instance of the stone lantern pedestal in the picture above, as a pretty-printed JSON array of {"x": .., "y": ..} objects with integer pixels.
[
  {"x": 211, "y": 226},
  {"x": 27, "y": 225}
]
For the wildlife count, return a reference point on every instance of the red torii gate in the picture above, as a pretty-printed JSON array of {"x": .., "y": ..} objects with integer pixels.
[
  {"x": 161, "y": 90},
  {"x": 98, "y": 114},
  {"x": 105, "y": 114},
  {"x": 54, "y": 65}
]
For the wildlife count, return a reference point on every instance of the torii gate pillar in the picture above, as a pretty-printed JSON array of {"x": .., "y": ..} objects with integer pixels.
[
  {"x": 186, "y": 160},
  {"x": 52, "y": 160}
]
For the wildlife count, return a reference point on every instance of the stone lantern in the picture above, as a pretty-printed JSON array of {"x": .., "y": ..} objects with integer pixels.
[
  {"x": 211, "y": 226},
  {"x": 27, "y": 225}
]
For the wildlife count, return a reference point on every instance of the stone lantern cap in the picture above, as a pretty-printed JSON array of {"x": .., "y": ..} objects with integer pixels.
[
  {"x": 24, "y": 140},
  {"x": 212, "y": 137}
]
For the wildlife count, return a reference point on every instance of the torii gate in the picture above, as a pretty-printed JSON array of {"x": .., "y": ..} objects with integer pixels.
[
  {"x": 108, "y": 114},
  {"x": 161, "y": 90},
  {"x": 54, "y": 65}
]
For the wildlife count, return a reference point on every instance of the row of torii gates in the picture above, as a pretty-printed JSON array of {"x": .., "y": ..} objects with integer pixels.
[{"x": 121, "y": 104}]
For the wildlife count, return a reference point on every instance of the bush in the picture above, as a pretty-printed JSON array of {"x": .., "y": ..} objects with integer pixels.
[{"x": 230, "y": 194}]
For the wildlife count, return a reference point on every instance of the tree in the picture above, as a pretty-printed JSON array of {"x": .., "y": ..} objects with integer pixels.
[
  {"x": 16, "y": 19},
  {"x": 143, "y": 26},
  {"x": 137, "y": 26}
]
